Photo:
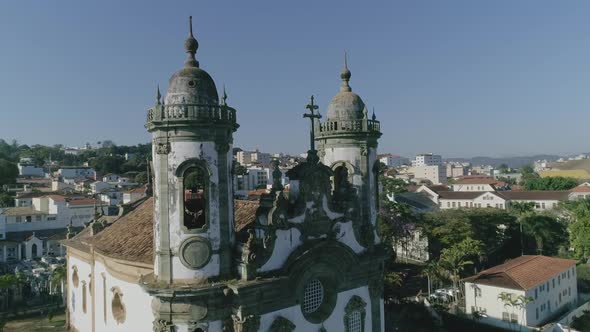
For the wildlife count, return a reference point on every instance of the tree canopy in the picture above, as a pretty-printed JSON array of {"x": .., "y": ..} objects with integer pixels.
[{"x": 550, "y": 183}]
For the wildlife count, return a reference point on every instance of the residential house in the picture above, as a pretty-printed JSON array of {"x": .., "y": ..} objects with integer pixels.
[
  {"x": 134, "y": 194},
  {"x": 580, "y": 192},
  {"x": 30, "y": 170},
  {"x": 546, "y": 287},
  {"x": 479, "y": 184},
  {"x": 70, "y": 172}
]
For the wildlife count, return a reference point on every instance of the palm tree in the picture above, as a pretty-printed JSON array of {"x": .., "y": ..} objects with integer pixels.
[
  {"x": 508, "y": 301},
  {"x": 522, "y": 209},
  {"x": 522, "y": 302},
  {"x": 454, "y": 262},
  {"x": 432, "y": 271}
]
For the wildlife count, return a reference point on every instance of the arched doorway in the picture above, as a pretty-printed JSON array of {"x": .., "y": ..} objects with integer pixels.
[{"x": 34, "y": 250}]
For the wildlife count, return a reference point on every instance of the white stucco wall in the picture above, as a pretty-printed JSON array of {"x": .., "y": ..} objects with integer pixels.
[
  {"x": 286, "y": 241},
  {"x": 78, "y": 318},
  {"x": 139, "y": 316},
  {"x": 333, "y": 323}
]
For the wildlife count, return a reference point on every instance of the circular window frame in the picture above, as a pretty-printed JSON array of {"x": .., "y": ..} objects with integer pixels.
[
  {"x": 329, "y": 283},
  {"x": 188, "y": 241}
]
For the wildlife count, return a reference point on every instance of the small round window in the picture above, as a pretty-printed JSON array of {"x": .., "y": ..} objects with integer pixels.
[
  {"x": 313, "y": 296},
  {"x": 192, "y": 84}
]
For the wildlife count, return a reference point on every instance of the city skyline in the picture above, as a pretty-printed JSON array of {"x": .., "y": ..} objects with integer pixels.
[{"x": 458, "y": 79}]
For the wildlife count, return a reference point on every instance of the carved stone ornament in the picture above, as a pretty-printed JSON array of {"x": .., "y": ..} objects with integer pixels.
[
  {"x": 250, "y": 323},
  {"x": 163, "y": 148},
  {"x": 376, "y": 288},
  {"x": 195, "y": 252},
  {"x": 282, "y": 324},
  {"x": 162, "y": 325}
]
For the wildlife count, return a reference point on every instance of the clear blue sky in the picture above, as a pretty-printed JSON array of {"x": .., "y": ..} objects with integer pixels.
[{"x": 460, "y": 78}]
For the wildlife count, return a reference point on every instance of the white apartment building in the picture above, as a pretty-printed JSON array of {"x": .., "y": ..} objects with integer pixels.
[
  {"x": 76, "y": 172},
  {"x": 427, "y": 159},
  {"x": 253, "y": 157},
  {"x": 34, "y": 230},
  {"x": 448, "y": 199},
  {"x": 436, "y": 174},
  {"x": 478, "y": 184},
  {"x": 549, "y": 282},
  {"x": 255, "y": 178},
  {"x": 392, "y": 160},
  {"x": 27, "y": 169}
]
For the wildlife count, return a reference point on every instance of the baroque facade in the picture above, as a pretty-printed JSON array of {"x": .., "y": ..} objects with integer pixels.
[{"x": 191, "y": 258}]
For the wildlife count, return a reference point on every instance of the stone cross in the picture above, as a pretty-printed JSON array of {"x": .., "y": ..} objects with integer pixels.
[{"x": 312, "y": 116}]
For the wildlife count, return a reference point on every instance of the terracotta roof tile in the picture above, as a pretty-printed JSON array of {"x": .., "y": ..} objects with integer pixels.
[
  {"x": 245, "y": 213},
  {"x": 524, "y": 272},
  {"x": 535, "y": 195},
  {"x": 130, "y": 237}
]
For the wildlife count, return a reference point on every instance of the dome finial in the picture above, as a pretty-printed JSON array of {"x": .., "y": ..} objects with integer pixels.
[
  {"x": 191, "y": 45},
  {"x": 345, "y": 75},
  {"x": 374, "y": 117}
]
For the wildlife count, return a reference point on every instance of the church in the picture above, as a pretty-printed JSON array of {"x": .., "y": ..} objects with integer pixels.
[{"x": 191, "y": 258}]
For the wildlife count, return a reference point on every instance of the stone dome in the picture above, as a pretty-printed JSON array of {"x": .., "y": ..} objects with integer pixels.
[
  {"x": 346, "y": 105},
  {"x": 191, "y": 84}
]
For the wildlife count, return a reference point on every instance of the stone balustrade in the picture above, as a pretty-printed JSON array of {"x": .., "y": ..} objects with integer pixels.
[
  {"x": 347, "y": 126},
  {"x": 191, "y": 112}
]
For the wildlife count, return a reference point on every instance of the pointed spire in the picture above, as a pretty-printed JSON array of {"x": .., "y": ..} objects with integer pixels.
[
  {"x": 374, "y": 117},
  {"x": 345, "y": 75},
  {"x": 158, "y": 96},
  {"x": 191, "y": 45}
]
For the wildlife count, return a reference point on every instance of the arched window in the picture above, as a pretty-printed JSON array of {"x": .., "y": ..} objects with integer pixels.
[
  {"x": 84, "y": 296},
  {"x": 354, "y": 315},
  {"x": 195, "y": 187},
  {"x": 340, "y": 179}
]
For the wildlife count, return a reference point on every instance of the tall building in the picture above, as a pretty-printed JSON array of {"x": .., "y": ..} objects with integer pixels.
[
  {"x": 191, "y": 258},
  {"x": 427, "y": 159}
]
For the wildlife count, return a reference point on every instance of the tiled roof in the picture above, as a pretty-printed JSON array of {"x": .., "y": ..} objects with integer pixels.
[
  {"x": 438, "y": 188},
  {"x": 535, "y": 195},
  {"x": 462, "y": 194},
  {"x": 581, "y": 189},
  {"x": 83, "y": 201},
  {"x": 22, "y": 211},
  {"x": 478, "y": 180},
  {"x": 524, "y": 272},
  {"x": 50, "y": 234},
  {"x": 130, "y": 237},
  {"x": 245, "y": 213}
]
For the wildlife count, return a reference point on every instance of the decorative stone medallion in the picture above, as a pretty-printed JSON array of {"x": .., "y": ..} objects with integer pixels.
[{"x": 195, "y": 252}]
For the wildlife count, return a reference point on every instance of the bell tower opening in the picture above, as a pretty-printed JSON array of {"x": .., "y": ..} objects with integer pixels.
[{"x": 195, "y": 198}]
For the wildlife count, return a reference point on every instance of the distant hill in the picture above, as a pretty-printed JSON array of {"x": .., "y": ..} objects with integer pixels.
[
  {"x": 513, "y": 162},
  {"x": 572, "y": 165}
]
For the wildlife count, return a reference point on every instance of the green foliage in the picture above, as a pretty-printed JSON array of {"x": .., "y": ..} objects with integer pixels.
[
  {"x": 8, "y": 172},
  {"x": 550, "y": 183},
  {"x": 579, "y": 227},
  {"x": 6, "y": 200},
  {"x": 510, "y": 181},
  {"x": 393, "y": 186},
  {"x": 495, "y": 229},
  {"x": 544, "y": 234},
  {"x": 141, "y": 178},
  {"x": 396, "y": 221},
  {"x": 239, "y": 169},
  {"x": 528, "y": 173},
  {"x": 583, "y": 277}
]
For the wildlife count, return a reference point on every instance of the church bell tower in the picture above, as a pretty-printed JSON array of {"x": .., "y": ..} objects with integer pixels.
[
  {"x": 192, "y": 136},
  {"x": 347, "y": 143}
]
